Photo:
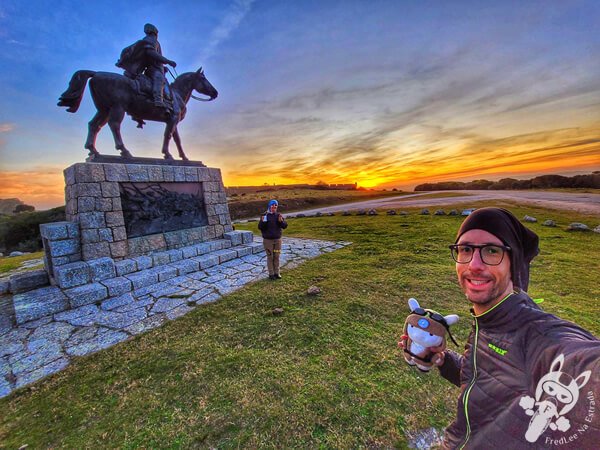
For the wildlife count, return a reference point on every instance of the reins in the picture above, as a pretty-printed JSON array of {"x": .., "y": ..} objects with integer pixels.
[{"x": 200, "y": 99}]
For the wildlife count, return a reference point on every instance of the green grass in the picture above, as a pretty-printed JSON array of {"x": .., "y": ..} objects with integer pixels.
[
  {"x": 324, "y": 374},
  {"x": 8, "y": 264}
]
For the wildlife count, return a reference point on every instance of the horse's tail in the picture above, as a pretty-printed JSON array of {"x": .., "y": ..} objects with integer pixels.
[{"x": 71, "y": 98}]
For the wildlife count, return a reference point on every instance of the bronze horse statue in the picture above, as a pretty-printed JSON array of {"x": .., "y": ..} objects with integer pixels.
[{"x": 114, "y": 95}]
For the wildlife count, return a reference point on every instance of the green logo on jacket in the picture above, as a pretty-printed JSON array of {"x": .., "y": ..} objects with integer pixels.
[{"x": 497, "y": 349}]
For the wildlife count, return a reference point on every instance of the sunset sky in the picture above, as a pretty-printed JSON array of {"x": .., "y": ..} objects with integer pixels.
[{"x": 382, "y": 93}]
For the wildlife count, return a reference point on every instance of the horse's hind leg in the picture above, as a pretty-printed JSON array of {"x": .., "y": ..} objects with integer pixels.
[
  {"x": 94, "y": 126},
  {"x": 177, "y": 140},
  {"x": 115, "y": 117}
]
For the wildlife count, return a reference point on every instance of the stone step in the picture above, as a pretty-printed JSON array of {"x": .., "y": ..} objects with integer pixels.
[{"x": 95, "y": 281}]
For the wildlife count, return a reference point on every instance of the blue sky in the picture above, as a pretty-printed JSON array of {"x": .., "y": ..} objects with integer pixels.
[{"x": 383, "y": 93}]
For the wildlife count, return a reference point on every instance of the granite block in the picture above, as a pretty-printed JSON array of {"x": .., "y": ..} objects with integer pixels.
[
  {"x": 69, "y": 174},
  {"x": 110, "y": 190},
  {"x": 168, "y": 173},
  {"x": 117, "y": 301},
  {"x": 175, "y": 255},
  {"x": 105, "y": 235},
  {"x": 165, "y": 272},
  {"x": 221, "y": 208},
  {"x": 90, "y": 236},
  {"x": 27, "y": 281},
  {"x": 191, "y": 174},
  {"x": 207, "y": 260},
  {"x": 54, "y": 231},
  {"x": 73, "y": 274},
  {"x": 179, "y": 173},
  {"x": 125, "y": 266},
  {"x": 88, "y": 190},
  {"x": 104, "y": 204},
  {"x": 102, "y": 268},
  {"x": 186, "y": 266},
  {"x": 243, "y": 251},
  {"x": 117, "y": 286},
  {"x": 92, "y": 220},
  {"x": 86, "y": 204},
  {"x": 118, "y": 249},
  {"x": 160, "y": 258},
  {"x": 257, "y": 247},
  {"x": 89, "y": 172},
  {"x": 101, "y": 340},
  {"x": 86, "y": 294},
  {"x": 137, "y": 172},
  {"x": 119, "y": 233},
  {"x": 227, "y": 228},
  {"x": 189, "y": 252},
  {"x": 95, "y": 250},
  {"x": 247, "y": 237},
  {"x": 64, "y": 247},
  {"x": 116, "y": 172},
  {"x": 41, "y": 302},
  {"x": 203, "y": 174},
  {"x": 113, "y": 219},
  {"x": 4, "y": 287},
  {"x": 143, "y": 278},
  {"x": 235, "y": 237},
  {"x": 143, "y": 262},
  {"x": 203, "y": 248},
  {"x": 117, "y": 206},
  {"x": 72, "y": 229},
  {"x": 155, "y": 173}
]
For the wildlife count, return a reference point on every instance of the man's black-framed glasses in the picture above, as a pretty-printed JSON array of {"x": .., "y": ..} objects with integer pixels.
[
  {"x": 490, "y": 254},
  {"x": 434, "y": 316}
]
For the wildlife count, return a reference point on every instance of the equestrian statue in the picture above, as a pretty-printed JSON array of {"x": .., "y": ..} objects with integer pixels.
[{"x": 142, "y": 92}]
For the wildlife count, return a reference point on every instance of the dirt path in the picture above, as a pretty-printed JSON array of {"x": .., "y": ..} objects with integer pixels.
[{"x": 579, "y": 202}]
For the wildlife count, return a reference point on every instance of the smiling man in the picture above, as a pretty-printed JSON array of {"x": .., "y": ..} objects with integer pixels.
[{"x": 528, "y": 379}]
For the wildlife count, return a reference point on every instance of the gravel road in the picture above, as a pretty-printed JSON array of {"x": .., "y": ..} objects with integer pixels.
[{"x": 579, "y": 202}]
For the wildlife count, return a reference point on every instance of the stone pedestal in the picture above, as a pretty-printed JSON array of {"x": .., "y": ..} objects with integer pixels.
[
  {"x": 117, "y": 211},
  {"x": 126, "y": 210}
]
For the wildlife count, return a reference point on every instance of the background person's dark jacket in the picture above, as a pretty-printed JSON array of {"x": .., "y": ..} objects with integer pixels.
[
  {"x": 516, "y": 344},
  {"x": 271, "y": 229}
]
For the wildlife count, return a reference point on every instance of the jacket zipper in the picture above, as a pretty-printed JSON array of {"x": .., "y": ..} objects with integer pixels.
[{"x": 471, "y": 384}]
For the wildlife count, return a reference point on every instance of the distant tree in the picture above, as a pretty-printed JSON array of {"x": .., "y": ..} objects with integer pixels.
[{"x": 23, "y": 208}]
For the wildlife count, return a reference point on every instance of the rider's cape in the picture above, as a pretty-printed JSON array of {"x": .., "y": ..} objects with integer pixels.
[{"x": 132, "y": 58}]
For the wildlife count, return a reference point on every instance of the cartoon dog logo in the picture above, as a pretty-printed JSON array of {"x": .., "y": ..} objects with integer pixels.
[{"x": 555, "y": 395}]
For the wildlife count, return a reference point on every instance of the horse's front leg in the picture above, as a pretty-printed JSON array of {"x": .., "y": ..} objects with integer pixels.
[
  {"x": 178, "y": 143},
  {"x": 94, "y": 126},
  {"x": 115, "y": 117},
  {"x": 169, "y": 130}
]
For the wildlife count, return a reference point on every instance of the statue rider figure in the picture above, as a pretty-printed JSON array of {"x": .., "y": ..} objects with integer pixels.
[{"x": 146, "y": 56}]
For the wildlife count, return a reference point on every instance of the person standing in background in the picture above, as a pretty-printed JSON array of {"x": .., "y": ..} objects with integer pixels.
[{"x": 271, "y": 224}]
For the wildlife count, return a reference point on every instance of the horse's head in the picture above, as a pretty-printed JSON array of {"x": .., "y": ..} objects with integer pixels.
[{"x": 203, "y": 86}]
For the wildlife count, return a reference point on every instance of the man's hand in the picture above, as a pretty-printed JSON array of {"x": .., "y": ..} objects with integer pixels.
[
  {"x": 439, "y": 355},
  {"x": 172, "y": 63},
  {"x": 280, "y": 218}
]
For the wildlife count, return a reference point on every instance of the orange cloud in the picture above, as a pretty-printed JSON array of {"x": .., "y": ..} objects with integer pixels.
[{"x": 43, "y": 188}]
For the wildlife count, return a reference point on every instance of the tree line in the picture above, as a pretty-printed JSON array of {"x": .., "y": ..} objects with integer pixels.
[{"x": 591, "y": 180}]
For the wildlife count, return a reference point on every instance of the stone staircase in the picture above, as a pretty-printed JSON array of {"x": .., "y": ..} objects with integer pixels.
[{"x": 93, "y": 282}]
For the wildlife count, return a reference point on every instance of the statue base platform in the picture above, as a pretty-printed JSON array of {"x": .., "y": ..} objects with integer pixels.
[{"x": 115, "y": 159}]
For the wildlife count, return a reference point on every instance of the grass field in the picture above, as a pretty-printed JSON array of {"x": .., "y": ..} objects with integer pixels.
[
  {"x": 253, "y": 204},
  {"x": 8, "y": 264},
  {"x": 324, "y": 374}
]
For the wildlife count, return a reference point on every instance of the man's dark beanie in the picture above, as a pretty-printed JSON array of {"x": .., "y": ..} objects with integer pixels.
[{"x": 506, "y": 227}]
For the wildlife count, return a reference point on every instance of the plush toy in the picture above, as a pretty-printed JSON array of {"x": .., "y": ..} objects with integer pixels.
[{"x": 424, "y": 328}]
